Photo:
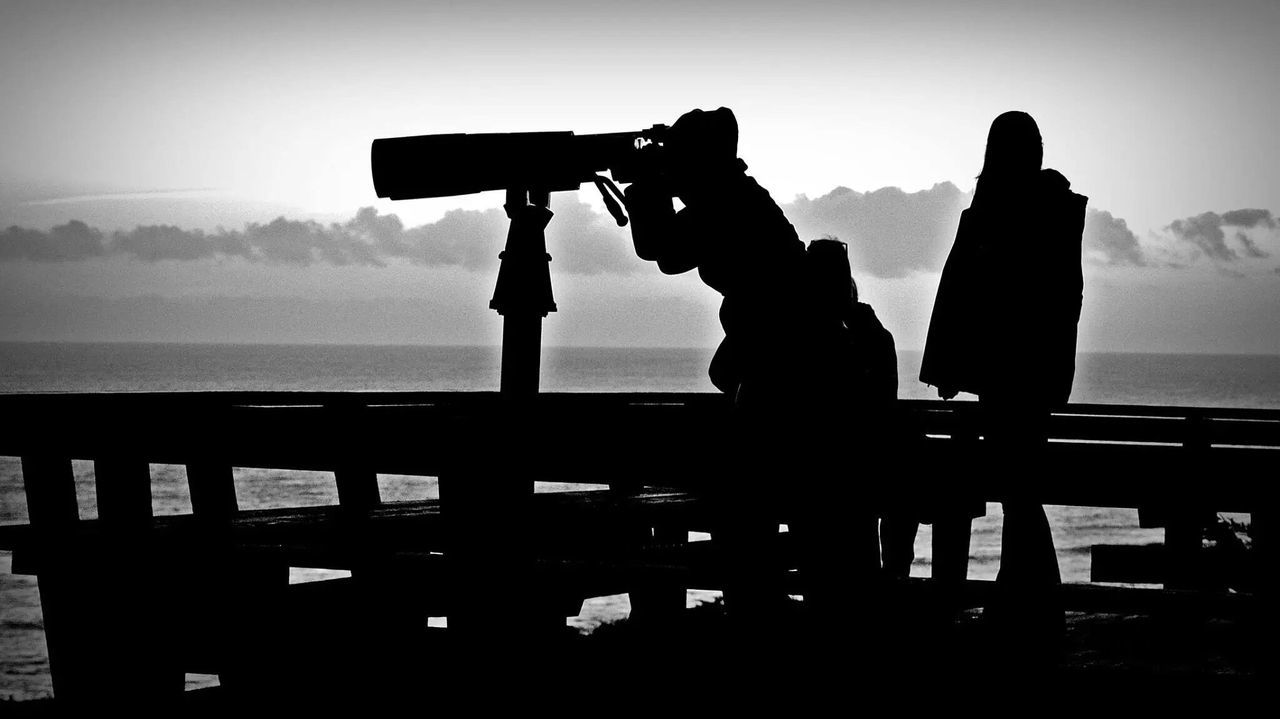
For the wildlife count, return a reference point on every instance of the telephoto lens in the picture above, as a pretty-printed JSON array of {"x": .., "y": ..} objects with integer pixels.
[{"x": 406, "y": 168}]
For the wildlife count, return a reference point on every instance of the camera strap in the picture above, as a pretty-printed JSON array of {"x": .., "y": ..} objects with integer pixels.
[{"x": 613, "y": 199}]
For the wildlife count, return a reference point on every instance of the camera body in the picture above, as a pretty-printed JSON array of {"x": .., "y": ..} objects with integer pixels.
[{"x": 460, "y": 164}]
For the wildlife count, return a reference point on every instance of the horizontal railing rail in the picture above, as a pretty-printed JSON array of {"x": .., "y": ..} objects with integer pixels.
[{"x": 579, "y": 437}]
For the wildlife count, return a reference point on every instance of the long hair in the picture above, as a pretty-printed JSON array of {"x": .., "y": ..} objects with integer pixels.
[{"x": 1014, "y": 149}]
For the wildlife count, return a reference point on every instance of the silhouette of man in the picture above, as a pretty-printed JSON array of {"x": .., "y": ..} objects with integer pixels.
[
  {"x": 742, "y": 246},
  {"x": 1004, "y": 328}
]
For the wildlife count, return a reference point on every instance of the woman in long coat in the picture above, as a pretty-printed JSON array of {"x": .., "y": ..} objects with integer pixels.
[{"x": 1004, "y": 328}]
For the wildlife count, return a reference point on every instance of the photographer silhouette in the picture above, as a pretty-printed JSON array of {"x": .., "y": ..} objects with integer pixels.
[
  {"x": 736, "y": 236},
  {"x": 770, "y": 361}
]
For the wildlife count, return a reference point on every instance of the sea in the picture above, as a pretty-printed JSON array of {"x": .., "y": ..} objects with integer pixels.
[{"x": 1121, "y": 378}]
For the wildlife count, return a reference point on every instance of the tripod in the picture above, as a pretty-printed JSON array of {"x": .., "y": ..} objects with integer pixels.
[
  {"x": 488, "y": 501},
  {"x": 523, "y": 292}
]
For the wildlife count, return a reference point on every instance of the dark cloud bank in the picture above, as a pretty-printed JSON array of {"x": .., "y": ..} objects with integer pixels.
[
  {"x": 584, "y": 242},
  {"x": 891, "y": 233},
  {"x": 1207, "y": 232}
]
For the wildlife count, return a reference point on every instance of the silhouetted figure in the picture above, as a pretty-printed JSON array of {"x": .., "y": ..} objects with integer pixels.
[
  {"x": 868, "y": 373},
  {"x": 855, "y": 374},
  {"x": 1004, "y": 328},
  {"x": 741, "y": 244},
  {"x": 951, "y": 515}
]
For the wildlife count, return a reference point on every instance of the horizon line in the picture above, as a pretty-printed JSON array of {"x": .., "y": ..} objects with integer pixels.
[{"x": 393, "y": 345}]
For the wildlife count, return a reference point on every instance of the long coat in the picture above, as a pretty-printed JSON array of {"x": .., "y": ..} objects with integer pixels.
[{"x": 1008, "y": 304}]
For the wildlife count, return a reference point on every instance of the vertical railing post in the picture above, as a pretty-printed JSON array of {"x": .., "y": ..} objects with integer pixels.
[
  {"x": 356, "y": 481},
  {"x": 231, "y": 600},
  {"x": 53, "y": 513},
  {"x": 1262, "y": 528},
  {"x": 659, "y": 600},
  {"x": 136, "y": 618},
  {"x": 1184, "y": 519},
  {"x": 211, "y": 586},
  {"x": 952, "y": 523},
  {"x": 213, "y": 491}
]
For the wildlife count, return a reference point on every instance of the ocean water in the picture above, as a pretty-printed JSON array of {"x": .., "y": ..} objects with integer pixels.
[
  {"x": 1190, "y": 380},
  {"x": 1120, "y": 378}
]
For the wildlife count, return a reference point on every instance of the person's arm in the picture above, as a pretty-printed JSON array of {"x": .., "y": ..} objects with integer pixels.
[
  {"x": 888, "y": 367},
  {"x": 1068, "y": 295},
  {"x": 876, "y": 350},
  {"x": 660, "y": 233},
  {"x": 945, "y": 364}
]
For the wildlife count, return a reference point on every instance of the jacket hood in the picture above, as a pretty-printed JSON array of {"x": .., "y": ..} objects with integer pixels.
[{"x": 1054, "y": 180}]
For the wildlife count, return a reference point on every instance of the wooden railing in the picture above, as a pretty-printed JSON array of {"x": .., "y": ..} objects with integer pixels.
[{"x": 196, "y": 588}]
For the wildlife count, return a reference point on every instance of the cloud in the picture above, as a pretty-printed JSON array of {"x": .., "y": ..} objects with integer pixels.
[
  {"x": 463, "y": 238},
  {"x": 891, "y": 233},
  {"x": 153, "y": 243},
  {"x": 584, "y": 241},
  {"x": 1251, "y": 248},
  {"x": 1108, "y": 240},
  {"x": 64, "y": 243},
  {"x": 579, "y": 239},
  {"x": 124, "y": 196},
  {"x": 1249, "y": 218},
  {"x": 1205, "y": 233}
]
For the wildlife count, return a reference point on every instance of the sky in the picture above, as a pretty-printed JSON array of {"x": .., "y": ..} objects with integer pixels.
[{"x": 198, "y": 171}]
